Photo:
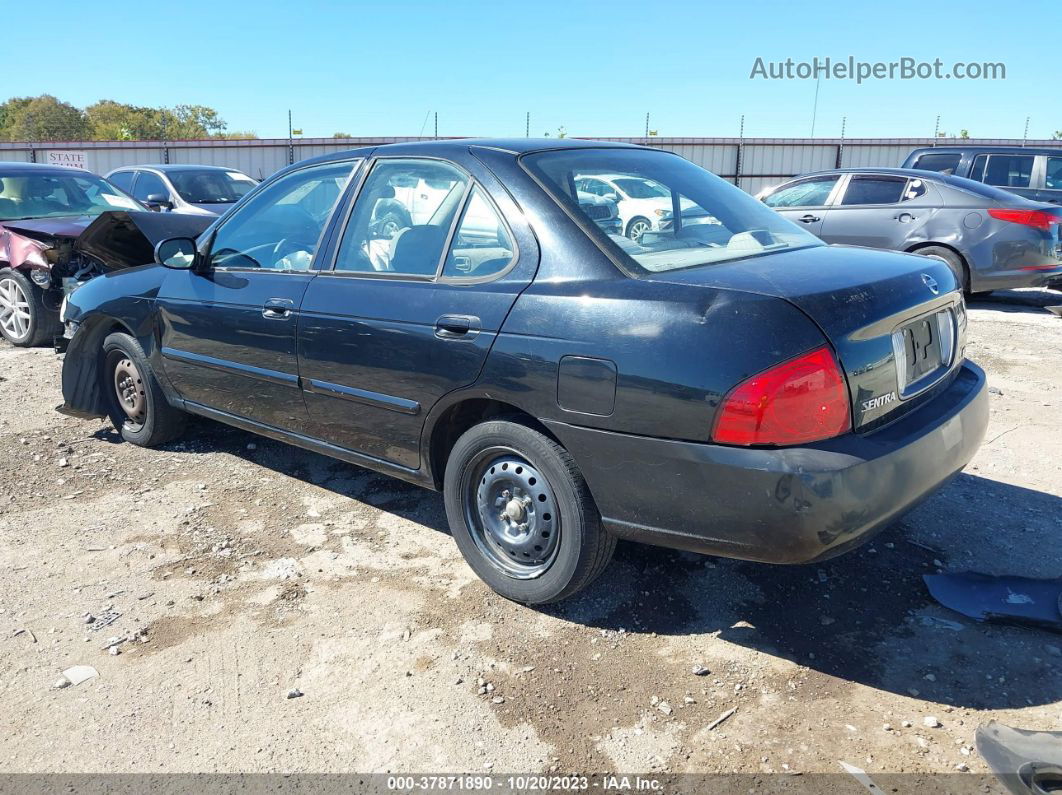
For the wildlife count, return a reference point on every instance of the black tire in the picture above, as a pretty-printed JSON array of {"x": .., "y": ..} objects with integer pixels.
[
  {"x": 580, "y": 548},
  {"x": 147, "y": 419},
  {"x": 953, "y": 261},
  {"x": 633, "y": 225},
  {"x": 43, "y": 323}
]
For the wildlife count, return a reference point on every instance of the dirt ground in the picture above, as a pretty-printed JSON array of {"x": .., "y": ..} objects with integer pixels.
[{"x": 233, "y": 570}]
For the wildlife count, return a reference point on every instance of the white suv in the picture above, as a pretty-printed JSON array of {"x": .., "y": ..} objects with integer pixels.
[{"x": 642, "y": 203}]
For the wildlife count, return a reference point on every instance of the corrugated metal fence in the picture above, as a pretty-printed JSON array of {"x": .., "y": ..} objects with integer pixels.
[{"x": 751, "y": 163}]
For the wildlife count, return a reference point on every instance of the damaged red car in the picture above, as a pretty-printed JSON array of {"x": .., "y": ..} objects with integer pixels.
[{"x": 60, "y": 227}]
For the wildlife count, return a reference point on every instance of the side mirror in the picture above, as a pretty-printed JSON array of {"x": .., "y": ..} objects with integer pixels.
[
  {"x": 179, "y": 253},
  {"x": 156, "y": 201}
]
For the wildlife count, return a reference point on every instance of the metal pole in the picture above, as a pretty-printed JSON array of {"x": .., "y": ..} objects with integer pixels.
[
  {"x": 936, "y": 131},
  {"x": 815, "y": 106},
  {"x": 1025, "y": 137},
  {"x": 436, "y": 124},
  {"x": 647, "y": 124},
  {"x": 527, "y": 125},
  {"x": 840, "y": 146},
  {"x": 740, "y": 152},
  {"x": 291, "y": 142}
]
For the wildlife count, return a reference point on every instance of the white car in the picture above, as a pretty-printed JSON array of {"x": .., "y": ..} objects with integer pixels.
[{"x": 642, "y": 203}]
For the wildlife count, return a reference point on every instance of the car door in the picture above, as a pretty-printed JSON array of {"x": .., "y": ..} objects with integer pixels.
[
  {"x": 1051, "y": 190},
  {"x": 404, "y": 317},
  {"x": 228, "y": 333},
  {"x": 804, "y": 201},
  {"x": 877, "y": 210}
]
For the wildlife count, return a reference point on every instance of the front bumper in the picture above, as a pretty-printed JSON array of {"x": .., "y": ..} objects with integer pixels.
[{"x": 791, "y": 505}]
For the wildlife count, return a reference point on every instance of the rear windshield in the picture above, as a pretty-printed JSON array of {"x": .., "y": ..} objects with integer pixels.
[
  {"x": 692, "y": 217},
  {"x": 210, "y": 187}
]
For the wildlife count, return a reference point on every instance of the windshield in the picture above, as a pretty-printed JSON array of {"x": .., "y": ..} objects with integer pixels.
[
  {"x": 55, "y": 195},
  {"x": 717, "y": 222},
  {"x": 209, "y": 186}
]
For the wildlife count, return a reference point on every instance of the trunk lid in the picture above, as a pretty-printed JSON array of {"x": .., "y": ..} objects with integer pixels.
[{"x": 896, "y": 321}]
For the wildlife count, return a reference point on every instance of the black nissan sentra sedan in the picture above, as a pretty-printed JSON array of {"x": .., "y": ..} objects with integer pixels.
[{"x": 730, "y": 386}]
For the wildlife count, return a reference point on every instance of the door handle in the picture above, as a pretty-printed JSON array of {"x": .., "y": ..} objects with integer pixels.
[
  {"x": 456, "y": 327},
  {"x": 904, "y": 217},
  {"x": 278, "y": 308},
  {"x": 808, "y": 219}
]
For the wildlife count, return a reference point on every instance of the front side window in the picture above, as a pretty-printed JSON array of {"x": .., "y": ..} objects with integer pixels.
[
  {"x": 1004, "y": 171},
  {"x": 874, "y": 190},
  {"x": 402, "y": 218},
  {"x": 149, "y": 184},
  {"x": 716, "y": 221},
  {"x": 807, "y": 193},
  {"x": 54, "y": 195},
  {"x": 122, "y": 179},
  {"x": 210, "y": 186},
  {"x": 279, "y": 228},
  {"x": 482, "y": 245},
  {"x": 941, "y": 162}
]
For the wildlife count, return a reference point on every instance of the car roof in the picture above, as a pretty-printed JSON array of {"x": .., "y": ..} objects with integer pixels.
[
  {"x": 167, "y": 168},
  {"x": 16, "y": 168},
  {"x": 959, "y": 148},
  {"x": 444, "y": 147}
]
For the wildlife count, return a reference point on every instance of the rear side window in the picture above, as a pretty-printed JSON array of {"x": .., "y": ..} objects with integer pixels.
[
  {"x": 1053, "y": 180},
  {"x": 1005, "y": 171},
  {"x": 874, "y": 190},
  {"x": 482, "y": 245},
  {"x": 942, "y": 162},
  {"x": 123, "y": 180},
  {"x": 808, "y": 193}
]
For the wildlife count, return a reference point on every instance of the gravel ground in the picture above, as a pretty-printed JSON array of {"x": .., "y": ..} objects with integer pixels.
[{"x": 230, "y": 573}]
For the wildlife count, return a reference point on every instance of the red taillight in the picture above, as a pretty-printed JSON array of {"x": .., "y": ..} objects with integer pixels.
[
  {"x": 1040, "y": 219},
  {"x": 799, "y": 401}
]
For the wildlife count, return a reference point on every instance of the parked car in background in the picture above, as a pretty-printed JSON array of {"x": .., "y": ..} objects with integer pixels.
[
  {"x": 1033, "y": 173},
  {"x": 58, "y": 228},
  {"x": 203, "y": 190},
  {"x": 735, "y": 388},
  {"x": 642, "y": 203},
  {"x": 990, "y": 238}
]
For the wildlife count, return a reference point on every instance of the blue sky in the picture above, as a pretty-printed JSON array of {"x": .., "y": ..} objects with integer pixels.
[{"x": 595, "y": 67}]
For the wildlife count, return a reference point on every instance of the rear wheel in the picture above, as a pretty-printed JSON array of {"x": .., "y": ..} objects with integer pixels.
[
  {"x": 138, "y": 408},
  {"x": 522, "y": 515},
  {"x": 24, "y": 319},
  {"x": 953, "y": 261}
]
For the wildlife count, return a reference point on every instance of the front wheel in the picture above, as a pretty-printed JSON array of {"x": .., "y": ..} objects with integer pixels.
[
  {"x": 25, "y": 321},
  {"x": 138, "y": 407},
  {"x": 522, "y": 515},
  {"x": 637, "y": 227}
]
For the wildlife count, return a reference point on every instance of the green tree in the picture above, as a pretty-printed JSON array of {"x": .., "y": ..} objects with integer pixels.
[
  {"x": 342, "y": 135},
  {"x": 115, "y": 121},
  {"x": 964, "y": 133},
  {"x": 43, "y": 118},
  {"x": 194, "y": 121},
  {"x": 1057, "y": 136}
]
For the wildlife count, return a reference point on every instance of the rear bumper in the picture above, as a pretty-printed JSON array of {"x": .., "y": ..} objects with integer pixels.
[{"x": 780, "y": 506}]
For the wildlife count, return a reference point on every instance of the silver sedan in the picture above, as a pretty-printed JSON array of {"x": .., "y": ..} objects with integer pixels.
[{"x": 991, "y": 238}]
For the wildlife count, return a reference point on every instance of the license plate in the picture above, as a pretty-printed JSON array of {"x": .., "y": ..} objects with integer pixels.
[{"x": 922, "y": 348}]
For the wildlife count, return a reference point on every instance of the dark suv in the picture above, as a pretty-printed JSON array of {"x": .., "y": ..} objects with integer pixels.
[
  {"x": 732, "y": 386},
  {"x": 1033, "y": 173}
]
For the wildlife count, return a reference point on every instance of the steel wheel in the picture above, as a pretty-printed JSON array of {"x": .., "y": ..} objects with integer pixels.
[
  {"x": 14, "y": 309},
  {"x": 637, "y": 228},
  {"x": 130, "y": 390},
  {"x": 511, "y": 511}
]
